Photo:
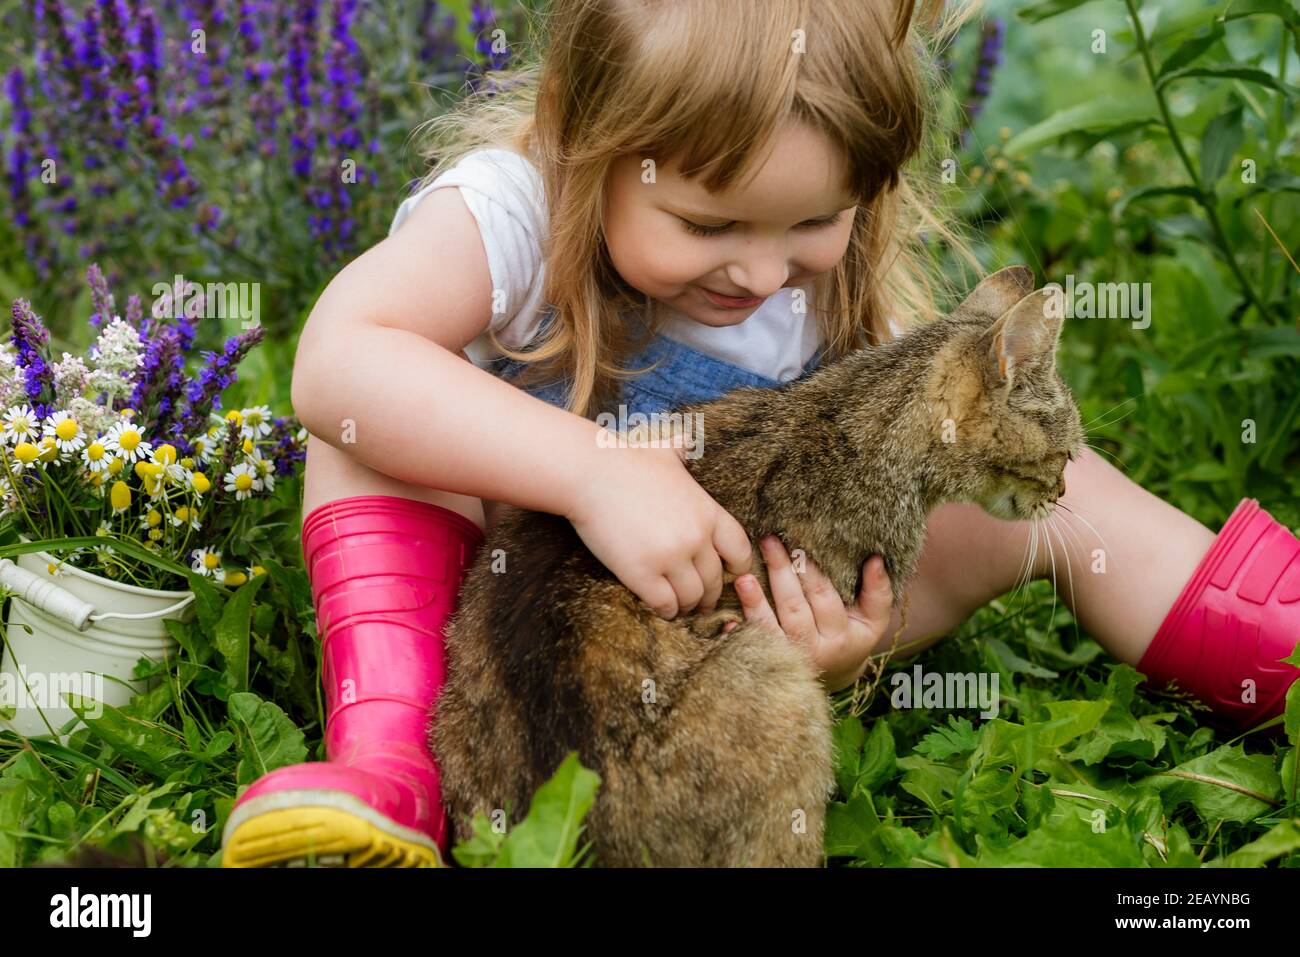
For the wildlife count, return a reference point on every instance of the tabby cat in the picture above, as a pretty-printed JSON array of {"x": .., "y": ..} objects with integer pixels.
[{"x": 714, "y": 749}]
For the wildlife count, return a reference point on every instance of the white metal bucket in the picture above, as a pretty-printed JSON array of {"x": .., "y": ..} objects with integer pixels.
[{"x": 77, "y": 642}]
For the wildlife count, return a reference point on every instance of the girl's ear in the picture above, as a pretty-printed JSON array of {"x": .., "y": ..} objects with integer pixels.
[
  {"x": 997, "y": 293},
  {"x": 1027, "y": 331}
]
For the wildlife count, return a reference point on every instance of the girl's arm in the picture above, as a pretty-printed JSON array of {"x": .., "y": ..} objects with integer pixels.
[
  {"x": 378, "y": 376},
  {"x": 378, "y": 373}
]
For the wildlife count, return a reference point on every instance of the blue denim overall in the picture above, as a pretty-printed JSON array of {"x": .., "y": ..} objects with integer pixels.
[{"x": 684, "y": 375}]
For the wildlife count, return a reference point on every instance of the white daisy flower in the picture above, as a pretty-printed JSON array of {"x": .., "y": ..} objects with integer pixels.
[
  {"x": 207, "y": 561},
  {"x": 257, "y": 422},
  {"x": 96, "y": 456},
  {"x": 265, "y": 469},
  {"x": 126, "y": 440},
  {"x": 67, "y": 432},
  {"x": 21, "y": 424},
  {"x": 243, "y": 480},
  {"x": 165, "y": 458},
  {"x": 184, "y": 515},
  {"x": 25, "y": 455}
]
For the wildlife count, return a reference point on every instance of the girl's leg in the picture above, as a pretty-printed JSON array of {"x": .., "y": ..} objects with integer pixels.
[
  {"x": 1122, "y": 556},
  {"x": 330, "y": 474}
]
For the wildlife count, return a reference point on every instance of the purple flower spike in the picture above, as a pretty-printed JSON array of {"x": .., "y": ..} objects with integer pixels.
[{"x": 32, "y": 341}]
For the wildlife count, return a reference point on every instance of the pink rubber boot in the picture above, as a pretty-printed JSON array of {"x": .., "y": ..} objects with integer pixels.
[
  {"x": 1237, "y": 615},
  {"x": 384, "y": 572}
]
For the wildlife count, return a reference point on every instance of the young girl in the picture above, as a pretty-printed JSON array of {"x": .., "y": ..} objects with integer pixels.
[{"x": 686, "y": 197}]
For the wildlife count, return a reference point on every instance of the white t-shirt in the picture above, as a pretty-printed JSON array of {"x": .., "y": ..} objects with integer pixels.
[{"x": 504, "y": 193}]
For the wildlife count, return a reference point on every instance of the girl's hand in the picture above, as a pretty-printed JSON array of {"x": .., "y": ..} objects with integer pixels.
[
  {"x": 651, "y": 524},
  {"x": 837, "y": 638}
]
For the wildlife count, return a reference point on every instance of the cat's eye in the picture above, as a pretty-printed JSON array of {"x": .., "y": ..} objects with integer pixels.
[{"x": 701, "y": 230}]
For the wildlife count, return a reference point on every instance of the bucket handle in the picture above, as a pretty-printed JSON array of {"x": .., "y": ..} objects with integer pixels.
[{"x": 51, "y": 597}]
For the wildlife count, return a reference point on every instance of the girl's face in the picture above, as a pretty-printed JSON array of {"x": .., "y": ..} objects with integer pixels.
[{"x": 788, "y": 225}]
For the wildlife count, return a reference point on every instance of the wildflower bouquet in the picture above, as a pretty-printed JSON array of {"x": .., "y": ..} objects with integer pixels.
[{"x": 124, "y": 445}]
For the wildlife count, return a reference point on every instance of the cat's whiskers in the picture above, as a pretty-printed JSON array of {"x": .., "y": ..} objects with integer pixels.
[
  {"x": 1053, "y": 524},
  {"x": 1098, "y": 448},
  {"x": 1023, "y": 579},
  {"x": 1103, "y": 415},
  {"x": 1051, "y": 554},
  {"x": 1078, "y": 514}
]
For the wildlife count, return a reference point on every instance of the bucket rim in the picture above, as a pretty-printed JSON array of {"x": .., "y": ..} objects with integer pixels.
[{"x": 66, "y": 566}]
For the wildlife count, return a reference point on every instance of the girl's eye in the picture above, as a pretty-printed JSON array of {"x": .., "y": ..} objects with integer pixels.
[{"x": 699, "y": 230}]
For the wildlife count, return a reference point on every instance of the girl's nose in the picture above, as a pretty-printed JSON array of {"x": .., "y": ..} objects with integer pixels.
[{"x": 761, "y": 273}]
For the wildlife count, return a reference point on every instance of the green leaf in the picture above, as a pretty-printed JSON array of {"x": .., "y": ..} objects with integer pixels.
[
  {"x": 1082, "y": 717},
  {"x": 267, "y": 738},
  {"x": 142, "y": 742},
  {"x": 1206, "y": 472},
  {"x": 1150, "y": 192},
  {"x": 548, "y": 835},
  {"x": 847, "y": 738},
  {"x": 959, "y": 738},
  {"x": 1039, "y": 12},
  {"x": 1291, "y": 717},
  {"x": 482, "y": 847},
  {"x": 1269, "y": 341},
  {"x": 879, "y": 758},
  {"x": 1225, "y": 785},
  {"x": 1230, "y": 71},
  {"x": 853, "y": 829},
  {"x": 1091, "y": 116},
  {"x": 1222, "y": 137},
  {"x": 1014, "y": 663},
  {"x": 1064, "y": 842},
  {"x": 1189, "y": 50},
  {"x": 1282, "y": 9},
  {"x": 13, "y": 803},
  {"x": 1282, "y": 839},
  {"x": 232, "y": 632}
]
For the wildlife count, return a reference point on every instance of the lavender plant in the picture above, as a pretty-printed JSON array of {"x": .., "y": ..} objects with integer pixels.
[{"x": 245, "y": 138}]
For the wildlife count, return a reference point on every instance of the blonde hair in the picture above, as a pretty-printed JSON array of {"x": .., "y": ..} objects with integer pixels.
[{"x": 707, "y": 84}]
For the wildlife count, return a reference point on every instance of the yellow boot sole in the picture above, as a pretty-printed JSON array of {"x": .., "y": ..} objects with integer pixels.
[{"x": 320, "y": 828}]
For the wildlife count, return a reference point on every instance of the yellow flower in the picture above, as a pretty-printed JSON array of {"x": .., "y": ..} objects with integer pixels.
[
  {"x": 120, "y": 496},
  {"x": 248, "y": 446},
  {"x": 26, "y": 453},
  {"x": 115, "y": 465},
  {"x": 1004, "y": 134},
  {"x": 155, "y": 534},
  {"x": 235, "y": 578},
  {"x": 188, "y": 462},
  {"x": 234, "y": 415},
  {"x": 1000, "y": 163},
  {"x": 165, "y": 454},
  {"x": 66, "y": 429},
  {"x": 1022, "y": 177},
  {"x": 258, "y": 570},
  {"x": 94, "y": 451},
  {"x": 154, "y": 517},
  {"x": 201, "y": 483},
  {"x": 49, "y": 449}
]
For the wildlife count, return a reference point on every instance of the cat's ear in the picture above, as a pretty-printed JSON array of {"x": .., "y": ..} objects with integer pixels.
[
  {"x": 997, "y": 293},
  {"x": 1028, "y": 330}
]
